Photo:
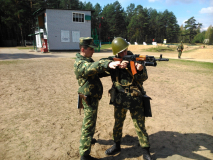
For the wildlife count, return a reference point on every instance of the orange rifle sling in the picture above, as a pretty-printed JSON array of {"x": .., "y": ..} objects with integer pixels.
[{"x": 133, "y": 68}]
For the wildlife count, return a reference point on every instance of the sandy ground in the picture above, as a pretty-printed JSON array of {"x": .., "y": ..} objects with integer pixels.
[{"x": 39, "y": 119}]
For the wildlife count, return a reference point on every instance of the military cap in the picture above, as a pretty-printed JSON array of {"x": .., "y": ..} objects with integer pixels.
[{"x": 87, "y": 41}]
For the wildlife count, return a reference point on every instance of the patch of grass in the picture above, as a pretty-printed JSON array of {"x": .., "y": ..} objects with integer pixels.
[
  {"x": 28, "y": 47},
  {"x": 205, "y": 65},
  {"x": 191, "y": 50},
  {"x": 174, "y": 44},
  {"x": 162, "y": 63},
  {"x": 160, "y": 49},
  {"x": 9, "y": 62},
  {"x": 188, "y": 66},
  {"x": 105, "y": 46}
]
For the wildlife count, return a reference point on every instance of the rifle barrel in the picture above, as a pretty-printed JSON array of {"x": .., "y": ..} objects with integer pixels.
[
  {"x": 162, "y": 59},
  {"x": 150, "y": 64}
]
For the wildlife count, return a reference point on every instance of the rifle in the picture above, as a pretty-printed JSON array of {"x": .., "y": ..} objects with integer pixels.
[{"x": 142, "y": 59}]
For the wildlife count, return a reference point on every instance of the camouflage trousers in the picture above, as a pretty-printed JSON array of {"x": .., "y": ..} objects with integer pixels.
[
  {"x": 88, "y": 126},
  {"x": 139, "y": 123},
  {"x": 179, "y": 53}
]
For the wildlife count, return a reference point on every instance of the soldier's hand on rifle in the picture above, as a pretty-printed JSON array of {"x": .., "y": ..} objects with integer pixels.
[
  {"x": 123, "y": 64},
  {"x": 139, "y": 66},
  {"x": 113, "y": 65}
]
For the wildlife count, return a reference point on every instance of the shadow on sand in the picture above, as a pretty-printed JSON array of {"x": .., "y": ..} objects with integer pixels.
[
  {"x": 167, "y": 145},
  {"x": 5, "y": 56}
]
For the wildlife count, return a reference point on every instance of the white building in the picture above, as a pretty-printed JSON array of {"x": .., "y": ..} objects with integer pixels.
[{"x": 62, "y": 28}]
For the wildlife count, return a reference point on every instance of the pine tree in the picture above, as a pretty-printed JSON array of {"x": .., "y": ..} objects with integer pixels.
[{"x": 191, "y": 28}]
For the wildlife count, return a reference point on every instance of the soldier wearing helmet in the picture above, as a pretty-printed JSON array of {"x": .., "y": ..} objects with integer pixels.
[
  {"x": 180, "y": 48},
  {"x": 127, "y": 95}
]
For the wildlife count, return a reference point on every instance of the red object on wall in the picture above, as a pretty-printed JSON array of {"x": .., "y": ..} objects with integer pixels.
[{"x": 44, "y": 48}]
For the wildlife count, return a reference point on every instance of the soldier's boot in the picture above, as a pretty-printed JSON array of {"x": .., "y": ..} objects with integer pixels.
[
  {"x": 93, "y": 141},
  {"x": 146, "y": 153},
  {"x": 114, "y": 149},
  {"x": 88, "y": 157}
]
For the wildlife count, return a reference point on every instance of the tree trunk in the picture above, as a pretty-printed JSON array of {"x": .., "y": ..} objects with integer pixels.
[{"x": 22, "y": 40}]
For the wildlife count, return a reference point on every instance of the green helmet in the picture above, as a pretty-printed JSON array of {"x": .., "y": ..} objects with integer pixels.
[{"x": 118, "y": 45}]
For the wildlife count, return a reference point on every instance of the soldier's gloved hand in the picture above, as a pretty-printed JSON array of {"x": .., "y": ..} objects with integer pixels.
[
  {"x": 113, "y": 65},
  {"x": 139, "y": 66},
  {"x": 123, "y": 64}
]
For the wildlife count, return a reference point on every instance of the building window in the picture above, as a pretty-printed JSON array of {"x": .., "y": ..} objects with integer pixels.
[{"x": 78, "y": 17}]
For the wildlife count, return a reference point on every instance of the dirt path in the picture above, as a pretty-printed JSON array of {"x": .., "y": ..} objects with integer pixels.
[{"x": 39, "y": 117}]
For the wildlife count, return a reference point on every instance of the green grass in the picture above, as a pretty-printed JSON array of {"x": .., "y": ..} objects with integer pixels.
[
  {"x": 191, "y": 50},
  {"x": 105, "y": 46},
  {"x": 160, "y": 49},
  {"x": 204, "y": 65},
  {"x": 28, "y": 47},
  {"x": 9, "y": 62},
  {"x": 188, "y": 66}
]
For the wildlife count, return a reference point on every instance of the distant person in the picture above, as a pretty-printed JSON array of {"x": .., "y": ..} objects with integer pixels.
[
  {"x": 180, "y": 49},
  {"x": 88, "y": 74}
]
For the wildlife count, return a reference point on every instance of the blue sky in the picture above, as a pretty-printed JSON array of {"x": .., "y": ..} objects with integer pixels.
[{"x": 202, "y": 10}]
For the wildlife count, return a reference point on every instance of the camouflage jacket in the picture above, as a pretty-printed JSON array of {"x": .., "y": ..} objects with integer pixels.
[
  {"x": 180, "y": 46},
  {"x": 125, "y": 79},
  {"x": 88, "y": 74}
]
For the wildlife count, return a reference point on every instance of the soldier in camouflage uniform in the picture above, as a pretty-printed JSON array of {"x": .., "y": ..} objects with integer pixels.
[
  {"x": 88, "y": 74},
  {"x": 127, "y": 96},
  {"x": 180, "y": 49}
]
